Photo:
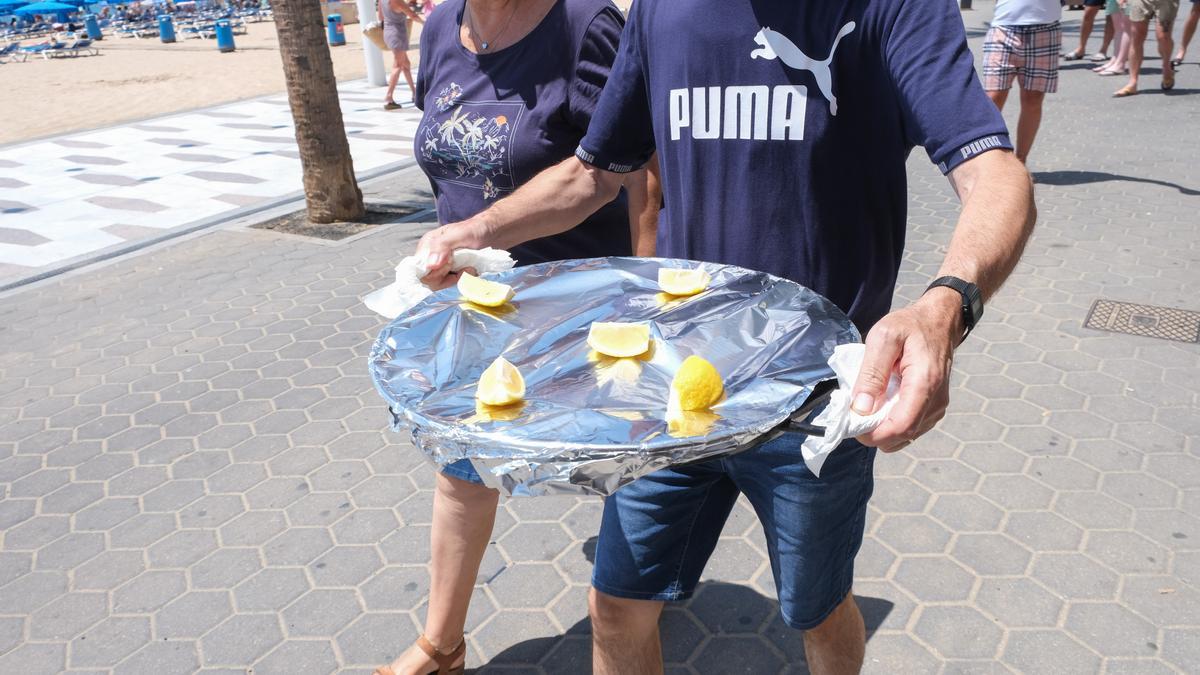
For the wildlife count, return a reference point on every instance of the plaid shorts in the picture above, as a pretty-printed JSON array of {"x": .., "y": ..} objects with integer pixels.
[{"x": 1027, "y": 53}]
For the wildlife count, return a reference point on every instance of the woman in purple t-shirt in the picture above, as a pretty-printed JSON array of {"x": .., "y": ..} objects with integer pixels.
[{"x": 508, "y": 88}]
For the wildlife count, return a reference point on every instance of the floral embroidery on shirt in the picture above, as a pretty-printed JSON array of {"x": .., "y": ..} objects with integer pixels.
[
  {"x": 471, "y": 145},
  {"x": 448, "y": 97}
]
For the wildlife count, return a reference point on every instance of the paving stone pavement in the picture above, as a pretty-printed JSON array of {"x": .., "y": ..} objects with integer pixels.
[
  {"x": 66, "y": 199},
  {"x": 195, "y": 476}
]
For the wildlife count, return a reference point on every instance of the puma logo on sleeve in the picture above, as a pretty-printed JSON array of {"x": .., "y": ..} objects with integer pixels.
[{"x": 774, "y": 45}]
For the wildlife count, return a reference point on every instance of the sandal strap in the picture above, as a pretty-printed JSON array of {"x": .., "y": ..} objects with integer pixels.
[{"x": 444, "y": 660}]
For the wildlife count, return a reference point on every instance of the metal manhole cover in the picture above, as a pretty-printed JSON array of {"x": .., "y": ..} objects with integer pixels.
[{"x": 1145, "y": 320}]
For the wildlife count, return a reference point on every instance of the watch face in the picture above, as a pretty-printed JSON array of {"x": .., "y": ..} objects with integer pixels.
[{"x": 976, "y": 303}]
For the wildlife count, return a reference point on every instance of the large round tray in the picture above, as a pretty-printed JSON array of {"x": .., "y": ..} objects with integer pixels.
[{"x": 591, "y": 424}]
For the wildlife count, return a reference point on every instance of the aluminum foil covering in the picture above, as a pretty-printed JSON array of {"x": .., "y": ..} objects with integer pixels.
[{"x": 590, "y": 424}]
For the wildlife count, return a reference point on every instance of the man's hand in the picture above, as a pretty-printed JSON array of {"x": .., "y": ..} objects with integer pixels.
[
  {"x": 437, "y": 248},
  {"x": 917, "y": 343}
]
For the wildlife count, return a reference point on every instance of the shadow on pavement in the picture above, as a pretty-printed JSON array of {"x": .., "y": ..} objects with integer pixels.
[
  {"x": 1087, "y": 177},
  {"x": 723, "y": 628}
]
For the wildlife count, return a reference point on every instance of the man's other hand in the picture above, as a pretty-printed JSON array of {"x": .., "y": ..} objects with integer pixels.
[{"x": 917, "y": 344}]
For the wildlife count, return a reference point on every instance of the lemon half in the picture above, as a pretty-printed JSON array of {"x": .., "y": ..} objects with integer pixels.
[
  {"x": 619, "y": 340},
  {"x": 697, "y": 384},
  {"x": 687, "y": 423},
  {"x": 682, "y": 282},
  {"x": 483, "y": 292},
  {"x": 500, "y": 384}
]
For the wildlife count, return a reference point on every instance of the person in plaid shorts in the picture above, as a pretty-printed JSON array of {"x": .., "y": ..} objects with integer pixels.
[{"x": 1023, "y": 44}]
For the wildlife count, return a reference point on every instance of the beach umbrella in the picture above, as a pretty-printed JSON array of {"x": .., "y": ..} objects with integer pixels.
[
  {"x": 9, "y": 5},
  {"x": 46, "y": 8}
]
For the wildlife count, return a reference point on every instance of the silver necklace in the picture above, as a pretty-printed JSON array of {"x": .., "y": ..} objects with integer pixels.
[{"x": 484, "y": 45}]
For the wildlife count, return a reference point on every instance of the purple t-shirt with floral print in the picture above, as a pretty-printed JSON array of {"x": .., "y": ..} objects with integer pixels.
[{"x": 495, "y": 120}]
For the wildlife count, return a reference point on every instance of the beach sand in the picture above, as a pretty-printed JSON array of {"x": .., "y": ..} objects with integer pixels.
[{"x": 135, "y": 79}]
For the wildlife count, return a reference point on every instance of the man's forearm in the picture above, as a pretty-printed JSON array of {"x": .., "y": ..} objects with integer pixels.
[
  {"x": 556, "y": 200},
  {"x": 997, "y": 218}
]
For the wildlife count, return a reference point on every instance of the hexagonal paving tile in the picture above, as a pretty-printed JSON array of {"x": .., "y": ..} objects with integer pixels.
[
  {"x": 1112, "y": 628},
  {"x": 192, "y": 614},
  {"x": 913, "y": 534},
  {"x": 527, "y": 585},
  {"x": 1055, "y": 650},
  {"x": 396, "y": 588},
  {"x": 934, "y": 579},
  {"x": 270, "y": 589},
  {"x": 991, "y": 554},
  {"x": 242, "y": 639},
  {"x": 1043, "y": 531},
  {"x": 534, "y": 542},
  {"x": 966, "y": 513},
  {"x": 958, "y": 632},
  {"x": 1019, "y": 603},
  {"x": 345, "y": 566}
]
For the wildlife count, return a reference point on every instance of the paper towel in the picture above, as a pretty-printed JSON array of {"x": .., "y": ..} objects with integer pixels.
[
  {"x": 839, "y": 420},
  {"x": 407, "y": 290}
]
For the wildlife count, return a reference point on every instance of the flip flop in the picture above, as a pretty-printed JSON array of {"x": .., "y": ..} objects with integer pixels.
[
  {"x": 1168, "y": 81},
  {"x": 1098, "y": 56},
  {"x": 1072, "y": 56},
  {"x": 1125, "y": 91},
  {"x": 1110, "y": 73},
  {"x": 1175, "y": 63}
]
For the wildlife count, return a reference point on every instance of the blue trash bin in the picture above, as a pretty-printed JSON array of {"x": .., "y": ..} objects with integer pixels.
[
  {"x": 166, "y": 28},
  {"x": 224, "y": 30},
  {"x": 337, "y": 33},
  {"x": 93, "y": 27}
]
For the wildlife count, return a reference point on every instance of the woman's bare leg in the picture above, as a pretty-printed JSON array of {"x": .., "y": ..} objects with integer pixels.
[
  {"x": 463, "y": 516},
  {"x": 1189, "y": 29},
  {"x": 406, "y": 67},
  {"x": 394, "y": 76}
]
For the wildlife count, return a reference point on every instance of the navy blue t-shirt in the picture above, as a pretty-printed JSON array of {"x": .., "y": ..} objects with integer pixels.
[
  {"x": 783, "y": 127},
  {"x": 494, "y": 120}
]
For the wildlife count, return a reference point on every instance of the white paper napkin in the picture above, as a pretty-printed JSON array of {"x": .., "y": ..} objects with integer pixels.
[
  {"x": 407, "y": 290},
  {"x": 839, "y": 420}
]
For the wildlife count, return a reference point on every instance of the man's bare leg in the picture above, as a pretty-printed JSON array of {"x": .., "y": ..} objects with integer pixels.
[
  {"x": 838, "y": 644},
  {"x": 1085, "y": 29},
  {"x": 625, "y": 637},
  {"x": 998, "y": 97},
  {"x": 1029, "y": 121},
  {"x": 1166, "y": 44}
]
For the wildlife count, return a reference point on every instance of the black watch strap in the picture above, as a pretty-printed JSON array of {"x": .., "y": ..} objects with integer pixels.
[{"x": 972, "y": 300}]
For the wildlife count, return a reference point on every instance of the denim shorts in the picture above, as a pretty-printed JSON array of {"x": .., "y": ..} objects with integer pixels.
[
  {"x": 659, "y": 531},
  {"x": 463, "y": 470}
]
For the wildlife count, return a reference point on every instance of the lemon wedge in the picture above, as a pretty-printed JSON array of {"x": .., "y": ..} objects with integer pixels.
[
  {"x": 501, "y": 384},
  {"x": 619, "y": 340},
  {"x": 685, "y": 424},
  {"x": 483, "y": 292},
  {"x": 697, "y": 384},
  {"x": 682, "y": 282}
]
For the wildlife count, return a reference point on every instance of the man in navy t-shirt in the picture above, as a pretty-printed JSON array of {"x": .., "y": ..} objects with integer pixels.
[{"x": 782, "y": 130}]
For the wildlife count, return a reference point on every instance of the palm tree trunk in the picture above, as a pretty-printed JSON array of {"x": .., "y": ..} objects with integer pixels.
[{"x": 330, "y": 189}]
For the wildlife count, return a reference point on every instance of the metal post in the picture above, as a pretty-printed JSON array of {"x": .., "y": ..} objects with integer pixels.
[{"x": 376, "y": 75}]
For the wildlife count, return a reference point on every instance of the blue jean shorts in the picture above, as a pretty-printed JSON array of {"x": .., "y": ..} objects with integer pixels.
[
  {"x": 659, "y": 531},
  {"x": 463, "y": 470}
]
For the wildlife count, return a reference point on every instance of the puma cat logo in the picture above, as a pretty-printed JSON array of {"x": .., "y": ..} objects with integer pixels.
[{"x": 774, "y": 45}]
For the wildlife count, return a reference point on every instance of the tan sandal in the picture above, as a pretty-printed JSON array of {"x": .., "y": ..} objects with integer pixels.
[
  {"x": 1127, "y": 90},
  {"x": 445, "y": 661}
]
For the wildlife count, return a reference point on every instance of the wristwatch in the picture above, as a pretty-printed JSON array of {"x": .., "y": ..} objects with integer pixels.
[{"x": 972, "y": 300}]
